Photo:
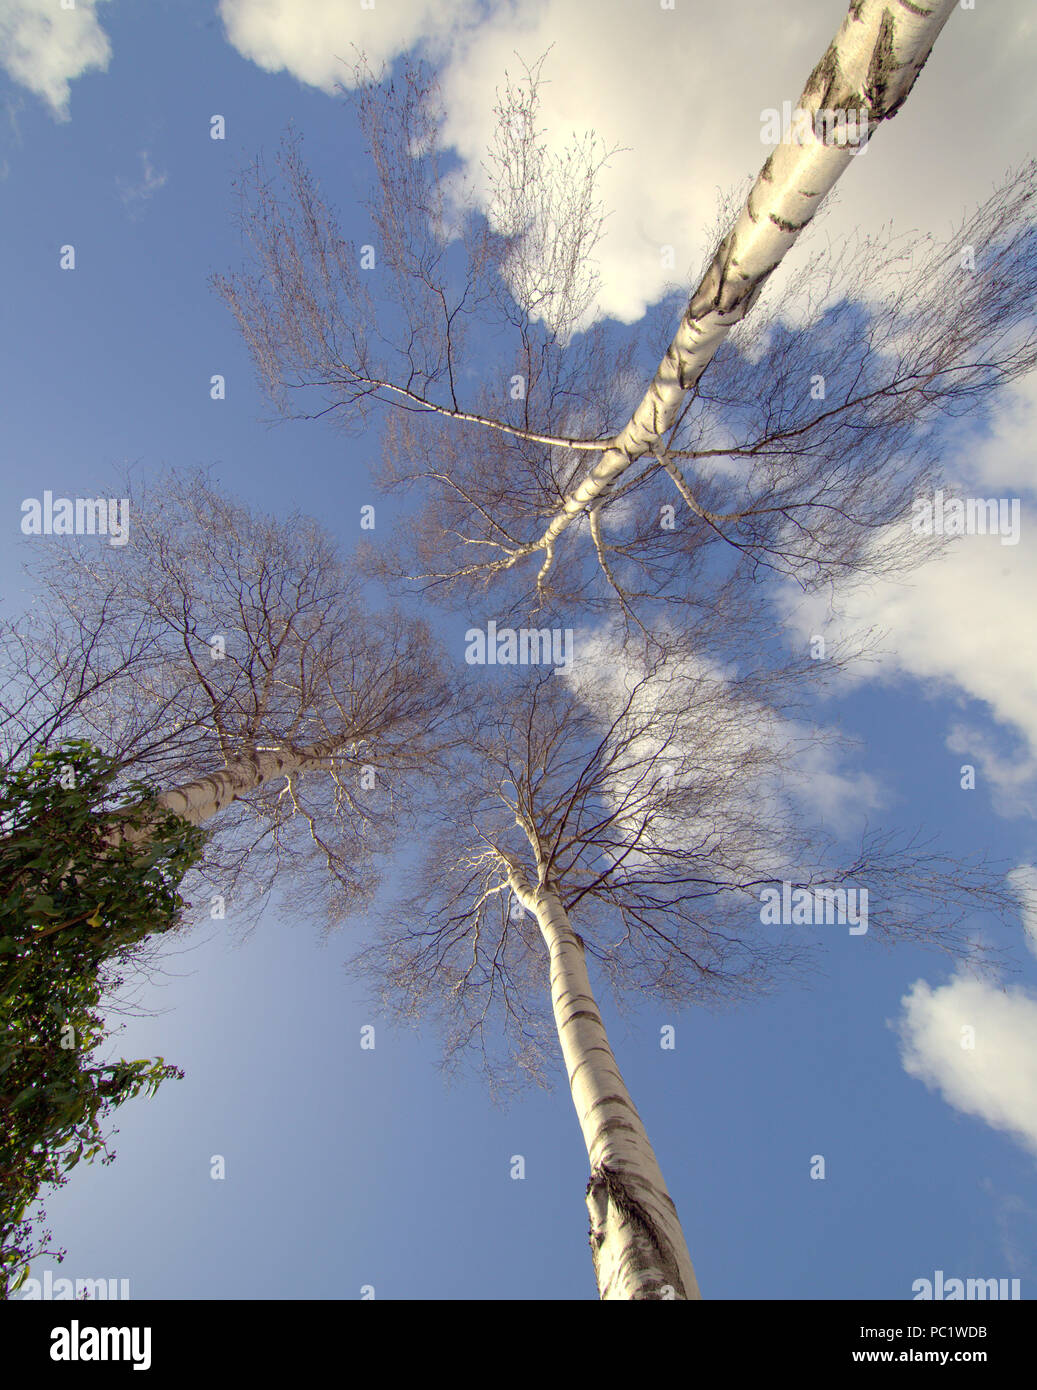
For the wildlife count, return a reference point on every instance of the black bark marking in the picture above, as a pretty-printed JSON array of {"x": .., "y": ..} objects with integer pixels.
[
  {"x": 725, "y": 289},
  {"x": 787, "y": 226},
  {"x": 610, "y": 1100},
  {"x": 582, "y": 1013},
  {"x": 686, "y": 382},
  {"x": 571, "y": 994},
  {"x": 881, "y": 71},
  {"x": 596, "y": 1047},
  {"x": 615, "y": 1125},
  {"x": 606, "y": 1180},
  {"x": 824, "y": 77}
]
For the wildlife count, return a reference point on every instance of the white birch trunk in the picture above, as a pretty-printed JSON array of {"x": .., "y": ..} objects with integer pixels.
[
  {"x": 871, "y": 64},
  {"x": 204, "y": 798},
  {"x": 201, "y": 800},
  {"x": 636, "y": 1241}
]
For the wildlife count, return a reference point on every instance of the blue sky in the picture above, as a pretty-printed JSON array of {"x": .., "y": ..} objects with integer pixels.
[{"x": 348, "y": 1168}]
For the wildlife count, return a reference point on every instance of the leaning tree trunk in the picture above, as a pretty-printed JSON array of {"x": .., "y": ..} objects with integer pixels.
[
  {"x": 871, "y": 66},
  {"x": 637, "y": 1244},
  {"x": 204, "y": 798},
  {"x": 201, "y": 800}
]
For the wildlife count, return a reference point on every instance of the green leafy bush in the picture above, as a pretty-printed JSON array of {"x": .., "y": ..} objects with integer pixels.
[{"x": 89, "y": 870}]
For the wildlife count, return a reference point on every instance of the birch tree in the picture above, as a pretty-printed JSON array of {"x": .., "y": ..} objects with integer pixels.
[
  {"x": 636, "y": 827},
  {"x": 231, "y": 658},
  {"x": 625, "y": 817},
  {"x": 529, "y": 457}
]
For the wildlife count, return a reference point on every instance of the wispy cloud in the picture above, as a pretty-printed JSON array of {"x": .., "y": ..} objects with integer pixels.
[
  {"x": 1024, "y": 881},
  {"x": 1010, "y": 776},
  {"x": 1013, "y": 1215},
  {"x": 135, "y": 194}
]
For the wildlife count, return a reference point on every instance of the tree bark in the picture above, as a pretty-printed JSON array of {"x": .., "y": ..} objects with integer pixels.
[
  {"x": 636, "y": 1241},
  {"x": 204, "y": 798},
  {"x": 201, "y": 800},
  {"x": 870, "y": 65}
]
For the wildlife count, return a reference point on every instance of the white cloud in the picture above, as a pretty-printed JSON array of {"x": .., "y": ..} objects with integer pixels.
[
  {"x": 765, "y": 770},
  {"x": 44, "y": 47},
  {"x": 1004, "y": 458},
  {"x": 976, "y": 1042},
  {"x": 317, "y": 40},
  {"x": 996, "y": 1080},
  {"x": 837, "y": 796},
  {"x": 1010, "y": 775},
  {"x": 964, "y": 621},
  {"x": 683, "y": 91}
]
